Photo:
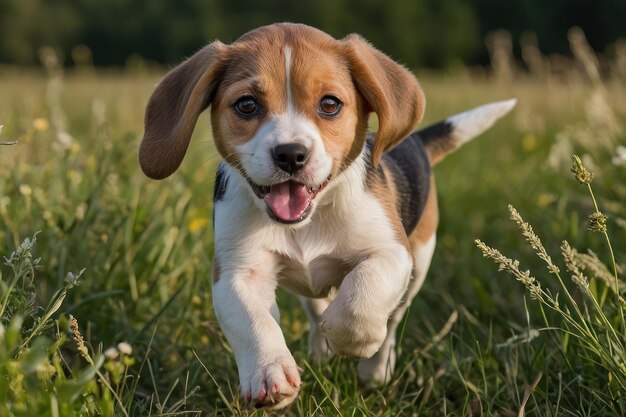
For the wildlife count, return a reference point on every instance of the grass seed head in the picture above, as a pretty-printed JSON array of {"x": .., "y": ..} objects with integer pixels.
[
  {"x": 594, "y": 266},
  {"x": 581, "y": 172},
  {"x": 78, "y": 339},
  {"x": 533, "y": 240},
  {"x": 569, "y": 256},
  {"x": 512, "y": 267},
  {"x": 596, "y": 222}
]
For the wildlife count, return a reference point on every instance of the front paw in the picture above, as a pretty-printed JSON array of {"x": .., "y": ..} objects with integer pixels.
[
  {"x": 353, "y": 335},
  {"x": 274, "y": 384}
]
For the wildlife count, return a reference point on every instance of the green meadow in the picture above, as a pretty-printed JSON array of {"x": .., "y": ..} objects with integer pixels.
[{"x": 134, "y": 334}]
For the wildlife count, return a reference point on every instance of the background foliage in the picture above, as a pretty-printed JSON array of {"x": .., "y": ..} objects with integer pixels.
[{"x": 433, "y": 33}]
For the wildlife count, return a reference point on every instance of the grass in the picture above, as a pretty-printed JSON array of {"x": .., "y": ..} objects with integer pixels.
[{"x": 471, "y": 344}]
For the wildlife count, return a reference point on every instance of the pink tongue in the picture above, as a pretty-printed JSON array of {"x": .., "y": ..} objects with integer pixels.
[{"x": 288, "y": 200}]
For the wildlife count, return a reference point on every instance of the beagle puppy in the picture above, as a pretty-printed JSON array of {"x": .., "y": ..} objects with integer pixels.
[{"x": 305, "y": 197}]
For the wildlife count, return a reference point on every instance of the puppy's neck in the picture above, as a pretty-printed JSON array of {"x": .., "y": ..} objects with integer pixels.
[{"x": 348, "y": 187}]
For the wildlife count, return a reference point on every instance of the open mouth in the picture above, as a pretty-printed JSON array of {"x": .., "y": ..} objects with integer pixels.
[{"x": 290, "y": 201}]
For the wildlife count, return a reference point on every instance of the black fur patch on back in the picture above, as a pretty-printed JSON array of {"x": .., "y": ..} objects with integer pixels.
[
  {"x": 438, "y": 137},
  {"x": 408, "y": 163},
  {"x": 219, "y": 188},
  {"x": 436, "y": 131},
  {"x": 221, "y": 181}
]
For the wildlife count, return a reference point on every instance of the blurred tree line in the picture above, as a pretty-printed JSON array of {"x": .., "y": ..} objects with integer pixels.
[{"x": 431, "y": 33}]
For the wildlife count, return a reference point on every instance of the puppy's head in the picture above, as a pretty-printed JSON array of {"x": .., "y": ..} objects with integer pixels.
[{"x": 289, "y": 110}]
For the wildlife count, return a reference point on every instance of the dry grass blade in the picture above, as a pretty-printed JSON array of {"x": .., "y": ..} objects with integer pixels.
[
  {"x": 219, "y": 390},
  {"x": 527, "y": 392},
  {"x": 428, "y": 389},
  {"x": 445, "y": 330}
]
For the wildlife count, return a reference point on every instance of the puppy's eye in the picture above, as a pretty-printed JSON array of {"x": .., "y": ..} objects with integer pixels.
[
  {"x": 329, "y": 106},
  {"x": 247, "y": 106}
]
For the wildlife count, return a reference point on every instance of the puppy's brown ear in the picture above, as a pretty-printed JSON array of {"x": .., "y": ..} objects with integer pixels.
[
  {"x": 174, "y": 107},
  {"x": 390, "y": 90}
]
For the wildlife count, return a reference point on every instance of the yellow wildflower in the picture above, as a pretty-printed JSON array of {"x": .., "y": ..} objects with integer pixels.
[
  {"x": 40, "y": 124},
  {"x": 197, "y": 223}
]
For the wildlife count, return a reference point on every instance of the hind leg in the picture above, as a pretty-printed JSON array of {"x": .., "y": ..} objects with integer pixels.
[
  {"x": 379, "y": 368},
  {"x": 318, "y": 345}
]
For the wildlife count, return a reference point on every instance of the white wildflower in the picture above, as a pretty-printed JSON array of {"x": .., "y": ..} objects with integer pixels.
[
  {"x": 125, "y": 348},
  {"x": 620, "y": 158},
  {"x": 111, "y": 353}
]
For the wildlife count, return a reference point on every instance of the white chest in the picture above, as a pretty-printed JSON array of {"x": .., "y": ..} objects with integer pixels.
[{"x": 311, "y": 261}]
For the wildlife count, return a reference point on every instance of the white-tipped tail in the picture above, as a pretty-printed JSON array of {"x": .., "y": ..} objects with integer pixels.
[
  {"x": 444, "y": 137},
  {"x": 469, "y": 124}
]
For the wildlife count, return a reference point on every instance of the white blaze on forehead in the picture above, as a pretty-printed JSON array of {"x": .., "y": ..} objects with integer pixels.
[
  {"x": 287, "y": 53},
  {"x": 291, "y": 126}
]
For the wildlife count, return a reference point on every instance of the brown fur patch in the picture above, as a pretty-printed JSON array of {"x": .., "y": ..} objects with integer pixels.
[
  {"x": 384, "y": 190},
  {"x": 174, "y": 107},
  {"x": 256, "y": 69},
  {"x": 429, "y": 221},
  {"x": 389, "y": 89}
]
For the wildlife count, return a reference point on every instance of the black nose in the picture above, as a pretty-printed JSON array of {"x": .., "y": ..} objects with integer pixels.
[{"x": 290, "y": 157}]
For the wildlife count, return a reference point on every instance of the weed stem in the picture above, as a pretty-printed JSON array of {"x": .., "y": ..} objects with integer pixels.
[{"x": 608, "y": 242}]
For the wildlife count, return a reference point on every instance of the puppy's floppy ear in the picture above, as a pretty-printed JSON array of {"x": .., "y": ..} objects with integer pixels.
[
  {"x": 390, "y": 90},
  {"x": 174, "y": 107}
]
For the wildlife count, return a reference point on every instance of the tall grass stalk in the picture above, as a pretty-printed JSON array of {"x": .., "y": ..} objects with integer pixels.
[
  {"x": 597, "y": 223},
  {"x": 597, "y": 328}
]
